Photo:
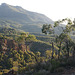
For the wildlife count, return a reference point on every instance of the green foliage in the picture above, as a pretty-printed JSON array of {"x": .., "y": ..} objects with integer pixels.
[
  {"x": 9, "y": 24},
  {"x": 47, "y": 29},
  {"x": 69, "y": 22},
  {"x": 5, "y": 70},
  {"x": 39, "y": 61},
  {"x": 31, "y": 38},
  {"x": 27, "y": 56},
  {"x": 22, "y": 70},
  {"x": 45, "y": 38},
  {"x": 26, "y": 37},
  {"x": 8, "y": 31},
  {"x": 48, "y": 53},
  {"x": 55, "y": 64},
  {"x": 38, "y": 54}
]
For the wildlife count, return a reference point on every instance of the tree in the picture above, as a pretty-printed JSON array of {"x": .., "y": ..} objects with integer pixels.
[
  {"x": 47, "y": 29},
  {"x": 38, "y": 54},
  {"x": 48, "y": 53},
  {"x": 66, "y": 37},
  {"x": 59, "y": 40},
  {"x": 63, "y": 38},
  {"x": 26, "y": 39},
  {"x": 22, "y": 37}
]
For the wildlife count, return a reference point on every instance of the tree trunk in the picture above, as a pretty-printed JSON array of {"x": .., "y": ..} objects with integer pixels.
[
  {"x": 52, "y": 50},
  {"x": 74, "y": 54},
  {"x": 67, "y": 47},
  {"x": 59, "y": 51},
  {"x": 26, "y": 47}
]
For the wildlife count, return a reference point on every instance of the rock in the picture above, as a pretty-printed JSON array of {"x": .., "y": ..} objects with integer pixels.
[{"x": 6, "y": 45}]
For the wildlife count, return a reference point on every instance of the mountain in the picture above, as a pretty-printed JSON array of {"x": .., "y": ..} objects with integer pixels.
[{"x": 19, "y": 18}]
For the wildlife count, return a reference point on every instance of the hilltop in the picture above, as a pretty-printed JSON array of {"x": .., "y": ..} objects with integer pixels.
[{"x": 19, "y": 18}]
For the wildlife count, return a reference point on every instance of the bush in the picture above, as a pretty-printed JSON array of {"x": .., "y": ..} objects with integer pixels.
[
  {"x": 41, "y": 72},
  {"x": 5, "y": 70},
  {"x": 55, "y": 65},
  {"x": 60, "y": 69},
  {"x": 21, "y": 70}
]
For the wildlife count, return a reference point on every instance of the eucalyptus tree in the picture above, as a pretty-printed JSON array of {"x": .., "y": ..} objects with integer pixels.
[
  {"x": 69, "y": 26},
  {"x": 59, "y": 40},
  {"x": 66, "y": 37},
  {"x": 48, "y": 29}
]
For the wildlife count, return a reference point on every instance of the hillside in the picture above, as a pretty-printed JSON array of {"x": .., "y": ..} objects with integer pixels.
[{"x": 17, "y": 17}]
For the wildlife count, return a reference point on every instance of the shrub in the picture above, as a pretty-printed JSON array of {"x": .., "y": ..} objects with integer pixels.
[
  {"x": 41, "y": 72},
  {"x": 5, "y": 70},
  {"x": 55, "y": 65},
  {"x": 60, "y": 69}
]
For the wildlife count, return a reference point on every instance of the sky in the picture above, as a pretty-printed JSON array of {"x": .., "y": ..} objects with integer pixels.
[{"x": 54, "y": 9}]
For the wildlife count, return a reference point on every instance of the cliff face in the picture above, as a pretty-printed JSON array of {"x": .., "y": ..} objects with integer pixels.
[{"x": 6, "y": 45}]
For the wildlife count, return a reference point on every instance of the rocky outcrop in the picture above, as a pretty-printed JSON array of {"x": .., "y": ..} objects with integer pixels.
[
  {"x": 12, "y": 44},
  {"x": 6, "y": 44},
  {"x": 22, "y": 47}
]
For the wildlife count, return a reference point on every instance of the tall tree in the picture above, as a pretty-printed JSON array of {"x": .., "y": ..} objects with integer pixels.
[
  {"x": 48, "y": 29},
  {"x": 66, "y": 37}
]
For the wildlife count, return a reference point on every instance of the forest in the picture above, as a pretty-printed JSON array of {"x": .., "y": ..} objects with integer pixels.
[{"x": 23, "y": 53}]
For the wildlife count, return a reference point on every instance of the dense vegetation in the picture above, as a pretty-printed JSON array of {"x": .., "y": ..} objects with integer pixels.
[{"x": 43, "y": 54}]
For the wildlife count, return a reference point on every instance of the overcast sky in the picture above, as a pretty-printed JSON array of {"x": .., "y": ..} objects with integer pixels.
[{"x": 54, "y": 9}]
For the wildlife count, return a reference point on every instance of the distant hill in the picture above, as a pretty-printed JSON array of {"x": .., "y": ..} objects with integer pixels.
[{"x": 19, "y": 18}]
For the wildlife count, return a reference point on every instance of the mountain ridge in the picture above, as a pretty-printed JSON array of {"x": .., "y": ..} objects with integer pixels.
[{"x": 28, "y": 19}]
